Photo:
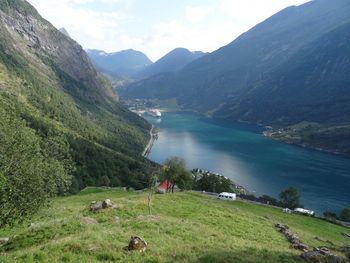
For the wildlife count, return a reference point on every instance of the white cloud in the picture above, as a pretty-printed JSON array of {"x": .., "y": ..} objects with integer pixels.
[
  {"x": 197, "y": 14},
  {"x": 110, "y": 27}
]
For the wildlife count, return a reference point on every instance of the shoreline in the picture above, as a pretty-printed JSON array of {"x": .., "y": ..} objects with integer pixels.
[{"x": 153, "y": 137}]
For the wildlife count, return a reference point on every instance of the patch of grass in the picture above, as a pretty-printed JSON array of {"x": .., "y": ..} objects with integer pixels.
[{"x": 186, "y": 227}]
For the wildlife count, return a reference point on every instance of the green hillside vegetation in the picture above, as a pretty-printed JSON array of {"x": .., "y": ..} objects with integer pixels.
[
  {"x": 48, "y": 84},
  {"x": 334, "y": 138},
  {"x": 184, "y": 227}
]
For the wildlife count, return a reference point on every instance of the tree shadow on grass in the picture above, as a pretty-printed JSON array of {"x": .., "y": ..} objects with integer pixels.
[{"x": 250, "y": 255}]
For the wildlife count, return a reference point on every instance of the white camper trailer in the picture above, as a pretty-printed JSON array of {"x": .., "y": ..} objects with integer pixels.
[
  {"x": 304, "y": 211},
  {"x": 227, "y": 196}
]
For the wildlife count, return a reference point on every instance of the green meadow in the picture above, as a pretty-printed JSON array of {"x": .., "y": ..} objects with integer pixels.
[{"x": 183, "y": 227}]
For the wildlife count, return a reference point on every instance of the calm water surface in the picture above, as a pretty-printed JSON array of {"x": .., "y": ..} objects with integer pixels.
[{"x": 262, "y": 165}]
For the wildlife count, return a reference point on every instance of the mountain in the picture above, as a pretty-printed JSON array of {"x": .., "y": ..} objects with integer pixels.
[
  {"x": 48, "y": 84},
  {"x": 171, "y": 62},
  {"x": 64, "y": 31},
  {"x": 289, "y": 69},
  {"x": 122, "y": 64}
]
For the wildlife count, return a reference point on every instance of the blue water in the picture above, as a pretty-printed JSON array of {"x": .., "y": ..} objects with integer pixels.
[{"x": 264, "y": 166}]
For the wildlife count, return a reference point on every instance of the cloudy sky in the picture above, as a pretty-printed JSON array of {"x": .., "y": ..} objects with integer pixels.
[{"x": 155, "y": 27}]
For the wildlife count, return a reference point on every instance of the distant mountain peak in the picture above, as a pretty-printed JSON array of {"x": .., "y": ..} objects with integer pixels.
[
  {"x": 124, "y": 63},
  {"x": 173, "y": 61}
]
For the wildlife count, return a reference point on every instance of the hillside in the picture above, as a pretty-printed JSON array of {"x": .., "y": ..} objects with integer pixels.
[
  {"x": 122, "y": 64},
  {"x": 288, "y": 69},
  {"x": 48, "y": 84},
  {"x": 184, "y": 227},
  {"x": 174, "y": 61}
]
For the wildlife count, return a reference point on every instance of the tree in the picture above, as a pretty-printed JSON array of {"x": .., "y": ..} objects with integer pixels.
[
  {"x": 345, "y": 215},
  {"x": 151, "y": 189},
  {"x": 270, "y": 200},
  {"x": 214, "y": 183},
  {"x": 290, "y": 198},
  {"x": 330, "y": 216},
  {"x": 174, "y": 170},
  {"x": 29, "y": 175}
]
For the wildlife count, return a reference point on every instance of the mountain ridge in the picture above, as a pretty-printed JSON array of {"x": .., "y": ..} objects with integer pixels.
[
  {"x": 250, "y": 80},
  {"x": 120, "y": 64},
  {"x": 173, "y": 61}
]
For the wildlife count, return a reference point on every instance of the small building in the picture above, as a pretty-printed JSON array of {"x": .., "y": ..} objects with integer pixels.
[
  {"x": 164, "y": 187},
  {"x": 227, "y": 196}
]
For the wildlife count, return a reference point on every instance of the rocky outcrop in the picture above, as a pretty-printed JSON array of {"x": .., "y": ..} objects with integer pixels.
[
  {"x": 292, "y": 238},
  {"x": 317, "y": 255},
  {"x": 98, "y": 205},
  {"x": 137, "y": 244}
]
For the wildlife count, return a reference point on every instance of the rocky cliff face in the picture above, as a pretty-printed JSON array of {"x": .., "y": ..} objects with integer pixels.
[{"x": 29, "y": 34}]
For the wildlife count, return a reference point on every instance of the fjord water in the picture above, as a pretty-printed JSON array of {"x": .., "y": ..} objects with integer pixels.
[{"x": 264, "y": 166}]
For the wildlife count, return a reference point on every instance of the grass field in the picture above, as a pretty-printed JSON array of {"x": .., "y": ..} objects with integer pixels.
[{"x": 185, "y": 227}]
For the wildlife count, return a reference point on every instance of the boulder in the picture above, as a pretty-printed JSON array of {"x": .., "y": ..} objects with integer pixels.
[
  {"x": 137, "y": 243},
  {"x": 323, "y": 250},
  {"x": 98, "y": 205},
  {"x": 107, "y": 204},
  {"x": 300, "y": 246}
]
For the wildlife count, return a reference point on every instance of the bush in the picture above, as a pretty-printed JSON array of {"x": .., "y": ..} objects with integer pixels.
[{"x": 345, "y": 215}]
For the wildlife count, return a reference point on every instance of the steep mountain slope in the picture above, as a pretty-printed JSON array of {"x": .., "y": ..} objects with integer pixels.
[
  {"x": 64, "y": 31},
  {"x": 119, "y": 64},
  {"x": 171, "y": 62},
  {"x": 226, "y": 76},
  {"x": 47, "y": 80},
  {"x": 288, "y": 69}
]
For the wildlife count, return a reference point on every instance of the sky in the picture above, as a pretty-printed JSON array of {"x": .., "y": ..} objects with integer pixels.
[{"x": 156, "y": 27}]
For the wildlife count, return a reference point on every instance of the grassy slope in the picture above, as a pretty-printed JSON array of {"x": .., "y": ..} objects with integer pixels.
[{"x": 188, "y": 227}]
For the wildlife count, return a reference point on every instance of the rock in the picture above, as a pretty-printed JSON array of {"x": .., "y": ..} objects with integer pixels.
[
  {"x": 137, "y": 243},
  {"x": 4, "y": 240},
  {"x": 323, "y": 250},
  {"x": 282, "y": 227},
  {"x": 301, "y": 246},
  {"x": 89, "y": 221},
  {"x": 107, "y": 203},
  {"x": 322, "y": 255},
  {"x": 96, "y": 205}
]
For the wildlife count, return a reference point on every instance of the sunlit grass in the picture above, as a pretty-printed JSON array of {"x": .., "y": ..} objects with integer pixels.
[{"x": 186, "y": 227}]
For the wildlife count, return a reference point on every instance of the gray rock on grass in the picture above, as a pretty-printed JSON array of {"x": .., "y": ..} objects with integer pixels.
[{"x": 137, "y": 244}]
